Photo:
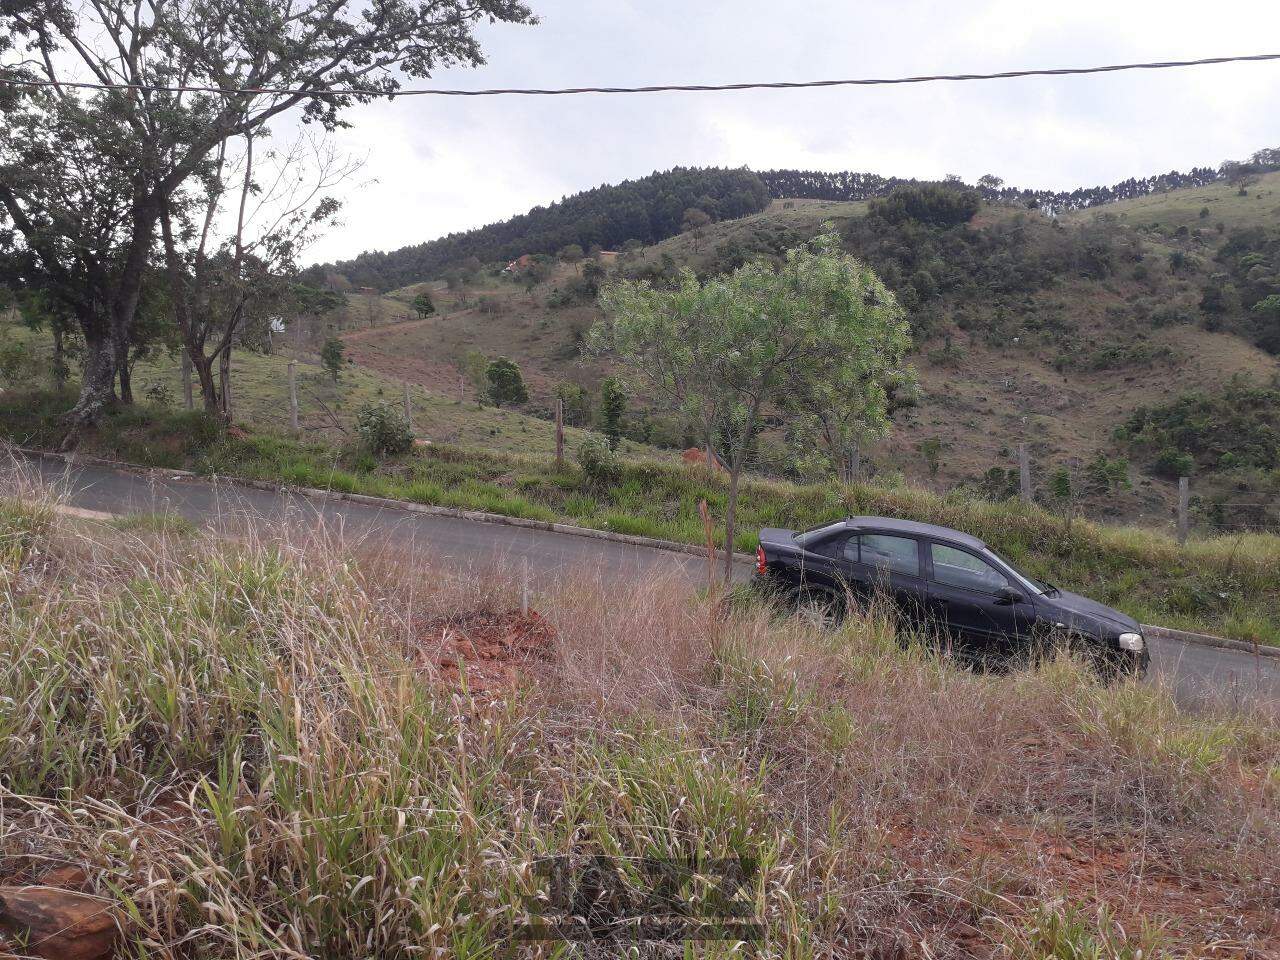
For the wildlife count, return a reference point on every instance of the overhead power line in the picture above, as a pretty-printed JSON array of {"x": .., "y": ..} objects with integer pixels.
[{"x": 657, "y": 88}]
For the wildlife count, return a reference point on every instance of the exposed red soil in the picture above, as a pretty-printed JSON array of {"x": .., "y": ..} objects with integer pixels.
[
  {"x": 492, "y": 651},
  {"x": 1204, "y": 915}
]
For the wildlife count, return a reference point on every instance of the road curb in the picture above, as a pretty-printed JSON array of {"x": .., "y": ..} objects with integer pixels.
[
  {"x": 566, "y": 529},
  {"x": 1205, "y": 640},
  {"x": 407, "y": 506}
]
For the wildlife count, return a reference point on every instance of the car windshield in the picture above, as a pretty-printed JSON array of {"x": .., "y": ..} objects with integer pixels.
[{"x": 1038, "y": 587}]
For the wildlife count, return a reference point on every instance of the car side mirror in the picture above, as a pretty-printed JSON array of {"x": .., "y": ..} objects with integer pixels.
[{"x": 1006, "y": 596}]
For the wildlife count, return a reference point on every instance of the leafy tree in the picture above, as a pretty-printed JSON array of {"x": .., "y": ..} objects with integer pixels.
[
  {"x": 731, "y": 349},
  {"x": 694, "y": 223},
  {"x": 332, "y": 354},
  {"x": 506, "y": 385},
  {"x": 570, "y": 253},
  {"x": 577, "y": 406},
  {"x": 423, "y": 305},
  {"x": 989, "y": 181},
  {"x": 613, "y": 405},
  {"x": 1269, "y": 308},
  {"x": 121, "y": 158},
  {"x": 224, "y": 286}
]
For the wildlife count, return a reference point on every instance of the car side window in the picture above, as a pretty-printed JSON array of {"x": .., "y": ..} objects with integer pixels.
[
  {"x": 959, "y": 568},
  {"x": 892, "y": 554},
  {"x": 829, "y": 546}
]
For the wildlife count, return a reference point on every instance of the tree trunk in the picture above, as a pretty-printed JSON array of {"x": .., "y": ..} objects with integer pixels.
[
  {"x": 120, "y": 344},
  {"x": 188, "y": 397},
  {"x": 124, "y": 307},
  {"x": 203, "y": 367},
  {"x": 730, "y": 520},
  {"x": 97, "y": 385},
  {"x": 224, "y": 383},
  {"x": 59, "y": 357}
]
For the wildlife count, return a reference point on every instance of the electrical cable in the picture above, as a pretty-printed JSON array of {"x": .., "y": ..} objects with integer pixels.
[{"x": 658, "y": 88}]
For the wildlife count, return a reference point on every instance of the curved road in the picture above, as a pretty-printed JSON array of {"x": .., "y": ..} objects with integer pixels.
[{"x": 1196, "y": 672}]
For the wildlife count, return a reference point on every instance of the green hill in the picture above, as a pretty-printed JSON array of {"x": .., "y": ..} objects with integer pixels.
[
  {"x": 1030, "y": 328},
  {"x": 645, "y": 210}
]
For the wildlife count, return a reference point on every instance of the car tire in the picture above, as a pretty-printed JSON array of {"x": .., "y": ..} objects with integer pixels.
[
  {"x": 1115, "y": 666},
  {"x": 819, "y": 606}
]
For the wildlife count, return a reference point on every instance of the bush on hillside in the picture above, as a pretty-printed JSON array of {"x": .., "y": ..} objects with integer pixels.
[
  {"x": 934, "y": 204},
  {"x": 383, "y": 430},
  {"x": 600, "y": 465}
]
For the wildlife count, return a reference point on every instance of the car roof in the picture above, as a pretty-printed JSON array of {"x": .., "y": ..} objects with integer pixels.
[{"x": 913, "y": 528}]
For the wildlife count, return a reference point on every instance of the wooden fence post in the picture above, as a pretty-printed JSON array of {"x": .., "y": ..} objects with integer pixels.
[
  {"x": 1184, "y": 501},
  {"x": 293, "y": 396},
  {"x": 1024, "y": 473},
  {"x": 408, "y": 406},
  {"x": 559, "y": 433}
]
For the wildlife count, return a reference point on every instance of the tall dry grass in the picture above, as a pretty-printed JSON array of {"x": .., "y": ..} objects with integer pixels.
[{"x": 238, "y": 733}]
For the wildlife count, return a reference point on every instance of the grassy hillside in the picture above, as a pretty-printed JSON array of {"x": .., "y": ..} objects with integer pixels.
[
  {"x": 1258, "y": 207},
  {"x": 1049, "y": 332},
  {"x": 288, "y": 746},
  {"x": 327, "y": 410}
]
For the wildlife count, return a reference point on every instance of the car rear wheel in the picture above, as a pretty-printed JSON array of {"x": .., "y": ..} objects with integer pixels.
[{"x": 818, "y": 607}]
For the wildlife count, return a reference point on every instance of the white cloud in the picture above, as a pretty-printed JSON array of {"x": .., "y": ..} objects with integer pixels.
[{"x": 444, "y": 165}]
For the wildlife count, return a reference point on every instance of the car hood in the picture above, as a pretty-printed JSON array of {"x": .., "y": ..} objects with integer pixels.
[{"x": 1074, "y": 605}]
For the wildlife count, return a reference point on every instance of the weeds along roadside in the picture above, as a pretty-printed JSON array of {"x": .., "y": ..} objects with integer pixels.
[
  {"x": 240, "y": 737},
  {"x": 1225, "y": 585}
]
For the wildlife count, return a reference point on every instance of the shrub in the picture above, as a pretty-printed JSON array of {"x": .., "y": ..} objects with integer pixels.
[
  {"x": 159, "y": 394},
  {"x": 934, "y": 204},
  {"x": 1173, "y": 463},
  {"x": 383, "y": 430},
  {"x": 600, "y": 465}
]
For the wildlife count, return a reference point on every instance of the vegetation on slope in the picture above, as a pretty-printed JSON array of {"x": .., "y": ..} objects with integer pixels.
[
  {"x": 645, "y": 210},
  {"x": 252, "y": 747}
]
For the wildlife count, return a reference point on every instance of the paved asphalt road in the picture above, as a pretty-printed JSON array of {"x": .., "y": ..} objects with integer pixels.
[{"x": 1196, "y": 672}]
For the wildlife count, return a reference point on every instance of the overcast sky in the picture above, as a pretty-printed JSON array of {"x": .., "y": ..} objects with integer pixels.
[{"x": 436, "y": 165}]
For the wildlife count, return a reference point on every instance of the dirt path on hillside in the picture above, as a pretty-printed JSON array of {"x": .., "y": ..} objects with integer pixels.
[{"x": 350, "y": 336}]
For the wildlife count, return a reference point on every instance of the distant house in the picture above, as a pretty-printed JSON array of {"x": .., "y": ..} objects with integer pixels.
[{"x": 519, "y": 264}]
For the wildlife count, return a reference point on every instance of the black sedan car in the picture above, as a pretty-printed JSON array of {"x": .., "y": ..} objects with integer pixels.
[{"x": 948, "y": 583}]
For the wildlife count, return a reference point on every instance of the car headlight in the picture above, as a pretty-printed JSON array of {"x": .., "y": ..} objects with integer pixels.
[{"x": 1132, "y": 642}]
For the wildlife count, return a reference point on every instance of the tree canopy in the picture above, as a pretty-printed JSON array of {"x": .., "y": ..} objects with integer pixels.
[
  {"x": 106, "y": 165},
  {"x": 728, "y": 350}
]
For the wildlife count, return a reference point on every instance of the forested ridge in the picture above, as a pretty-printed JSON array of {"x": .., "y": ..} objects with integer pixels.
[
  {"x": 654, "y": 208},
  {"x": 645, "y": 210}
]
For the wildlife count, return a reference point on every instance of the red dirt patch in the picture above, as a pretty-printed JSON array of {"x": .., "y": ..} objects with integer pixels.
[
  {"x": 1200, "y": 913},
  {"x": 491, "y": 649}
]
